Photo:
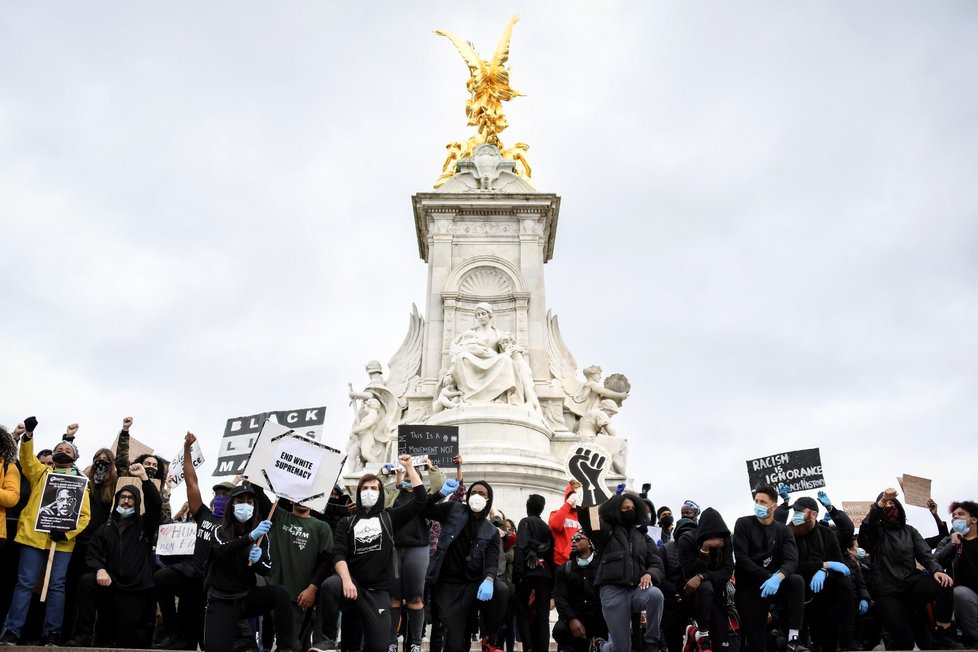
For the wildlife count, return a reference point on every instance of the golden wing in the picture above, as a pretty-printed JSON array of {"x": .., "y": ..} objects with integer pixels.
[
  {"x": 466, "y": 50},
  {"x": 501, "y": 56}
]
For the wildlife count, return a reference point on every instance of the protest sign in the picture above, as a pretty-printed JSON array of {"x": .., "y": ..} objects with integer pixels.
[
  {"x": 176, "y": 466},
  {"x": 857, "y": 510},
  {"x": 136, "y": 482},
  {"x": 61, "y": 502},
  {"x": 916, "y": 490},
  {"x": 797, "y": 470},
  {"x": 438, "y": 443},
  {"x": 136, "y": 448},
  {"x": 176, "y": 539},
  {"x": 240, "y": 434},
  {"x": 294, "y": 467},
  {"x": 589, "y": 464}
]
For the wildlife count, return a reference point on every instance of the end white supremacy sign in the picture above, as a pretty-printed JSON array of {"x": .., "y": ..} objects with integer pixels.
[
  {"x": 797, "y": 470},
  {"x": 240, "y": 434},
  {"x": 294, "y": 467}
]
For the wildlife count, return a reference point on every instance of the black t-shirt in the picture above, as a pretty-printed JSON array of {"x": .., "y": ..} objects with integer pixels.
[
  {"x": 966, "y": 572},
  {"x": 206, "y": 523}
]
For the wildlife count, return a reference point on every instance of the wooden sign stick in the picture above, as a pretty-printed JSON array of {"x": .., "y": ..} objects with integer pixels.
[
  {"x": 271, "y": 513},
  {"x": 47, "y": 573}
]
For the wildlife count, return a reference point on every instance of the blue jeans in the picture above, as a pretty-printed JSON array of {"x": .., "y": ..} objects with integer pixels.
[{"x": 33, "y": 562}]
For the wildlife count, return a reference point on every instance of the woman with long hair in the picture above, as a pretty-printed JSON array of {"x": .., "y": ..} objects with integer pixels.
[{"x": 240, "y": 551}]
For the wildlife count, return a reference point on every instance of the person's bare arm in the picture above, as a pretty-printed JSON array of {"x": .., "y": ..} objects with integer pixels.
[{"x": 190, "y": 475}]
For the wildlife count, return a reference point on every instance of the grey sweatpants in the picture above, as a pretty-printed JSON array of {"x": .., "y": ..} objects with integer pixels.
[
  {"x": 618, "y": 603},
  {"x": 966, "y": 611}
]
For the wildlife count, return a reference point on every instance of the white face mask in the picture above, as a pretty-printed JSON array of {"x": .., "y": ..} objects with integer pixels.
[
  {"x": 477, "y": 503},
  {"x": 368, "y": 497}
]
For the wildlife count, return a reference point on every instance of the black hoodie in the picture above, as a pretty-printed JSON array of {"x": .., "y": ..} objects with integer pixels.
[
  {"x": 468, "y": 546},
  {"x": 123, "y": 546},
  {"x": 365, "y": 539},
  {"x": 534, "y": 556},
  {"x": 895, "y": 549},
  {"x": 718, "y": 565},
  {"x": 627, "y": 552}
]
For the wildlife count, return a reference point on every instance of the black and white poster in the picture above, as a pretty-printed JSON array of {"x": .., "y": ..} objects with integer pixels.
[
  {"x": 797, "y": 470},
  {"x": 438, "y": 443},
  {"x": 240, "y": 434},
  {"x": 61, "y": 502},
  {"x": 590, "y": 464}
]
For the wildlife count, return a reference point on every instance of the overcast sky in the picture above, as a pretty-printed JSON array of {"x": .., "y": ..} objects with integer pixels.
[{"x": 769, "y": 218}]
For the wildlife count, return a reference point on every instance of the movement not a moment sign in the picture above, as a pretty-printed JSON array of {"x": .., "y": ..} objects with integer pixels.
[{"x": 797, "y": 470}]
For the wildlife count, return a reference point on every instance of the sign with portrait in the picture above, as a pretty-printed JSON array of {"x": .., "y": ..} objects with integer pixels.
[{"x": 61, "y": 502}]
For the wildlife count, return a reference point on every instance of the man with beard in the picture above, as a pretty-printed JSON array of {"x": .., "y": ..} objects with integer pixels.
[
  {"x": 579, "y": 617},
  {"x": 464, "y": 565},
  {"x": 363, "y": 550},
  {"x": 706, "y": 556},
  {"x": 831, "y": 609},
  {"x": 629, "y": 570},
  {"x": 36, "y": 546},
  {"x": 121, "y": 578},
  {"x": 766, "y": 557},
  {"x": 899, "y": 587}
]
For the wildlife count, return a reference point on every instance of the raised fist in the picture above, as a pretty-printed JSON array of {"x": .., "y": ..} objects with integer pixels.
[
  {"x": 137, "y": 471},
  {"x": 30, "y": 423},
  {"x": 20, "y": 429},
  {"x": 126, "y": 423},
  {"x": 405, "y": 460},
  {"x": 70, "y": 431},
  {"x": 189, "y": 440},
  {"x": 586, "y": 467}
]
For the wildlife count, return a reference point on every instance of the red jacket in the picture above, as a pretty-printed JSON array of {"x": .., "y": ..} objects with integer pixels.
[{"x": 564, "y": 525}]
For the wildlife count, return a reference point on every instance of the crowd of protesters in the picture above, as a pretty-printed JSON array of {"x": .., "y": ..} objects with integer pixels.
[{"x": 416, "y": 553}]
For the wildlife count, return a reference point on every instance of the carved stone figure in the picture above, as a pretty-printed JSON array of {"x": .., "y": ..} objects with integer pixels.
[
  {"x": 370, "y": 440},
  {"x": 449, "y": 397},
  {"x": 508, "y": 345},
  {"x": 596, "y": 426},
  {"x": 484, "y": 371}
]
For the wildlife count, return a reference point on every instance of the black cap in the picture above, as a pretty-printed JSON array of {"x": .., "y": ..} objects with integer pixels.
[
  {"x": 240, "y": 490},
  {"x": 805, "y": 502}
]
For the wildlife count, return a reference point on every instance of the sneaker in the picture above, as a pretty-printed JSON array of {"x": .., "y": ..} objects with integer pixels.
[
  {"x": 489, "y": 647},
  {"x": 415, "y": 647},
  {"x": 944, "y": 639},
  {"x": 689, "y": 639},
  {"x": 392, "y": 647},
  {"x": 794, "y": 645},
  {"x": 8, "y": 638},
  {"x": 597, "y": 644},
  {"x": 703, "y": 642},
  {"x": 174, "y": 641},
  {"x": 79, "y": 641},
  {"x": 51, "y": 639},
  {"x": 323, "y": 645}
]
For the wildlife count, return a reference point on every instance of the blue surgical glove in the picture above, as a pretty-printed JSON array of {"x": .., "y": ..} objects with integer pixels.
[
  {"x": 485, "y": 590},
  {"x": 770, "y": 586},
  {"x": 838, "y": 567},
  {"x": 450, "y": 487},
  {"x": 620, "y": 489},
  {"x": 261, "y": 530},
  {"x": 826, "y": 518},
  {"x": 818, "y": 581},
  {"x": 824, "y": 499},
  {"x": 863, "y": 607},
  {"x": 254, "y": 554},
  {"x": 783, "y": 491}
]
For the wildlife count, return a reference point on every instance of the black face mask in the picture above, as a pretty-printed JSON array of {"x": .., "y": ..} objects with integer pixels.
[
  {"x": 150, "y": 473},
  {"x": 62, "y": 458},
  {"x": 666, "y": 521},
  {"x": 629, "y": 517},
  {"x": 99, "y": 469}
]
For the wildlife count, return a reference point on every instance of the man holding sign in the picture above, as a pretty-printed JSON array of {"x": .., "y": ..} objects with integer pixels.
[{"x": 50, "y": 537}]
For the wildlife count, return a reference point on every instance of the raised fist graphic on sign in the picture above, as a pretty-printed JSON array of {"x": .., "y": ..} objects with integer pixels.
[{"x": 589, "y": 465}]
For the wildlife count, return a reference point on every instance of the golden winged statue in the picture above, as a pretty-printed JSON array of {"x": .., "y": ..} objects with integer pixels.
[{"x": 489, "y": 87}]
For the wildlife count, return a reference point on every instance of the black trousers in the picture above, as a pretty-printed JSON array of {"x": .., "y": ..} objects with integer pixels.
[
  {"x": 831, "y": 613},
  {"x": 753, "y": 609},
  {"x": 221, "y": 617},
  {"x": 898, "y": 611},
  {"x": 456, "y": 602},
  {"x": 369, "y": 615},
  {"x": 189, "y": 620},
  {"x": 126, "y": 618},
  {"x": 534, "y": 619},
  {"x": 709, "y": 605},
  {"x": 593, "y": 627}
]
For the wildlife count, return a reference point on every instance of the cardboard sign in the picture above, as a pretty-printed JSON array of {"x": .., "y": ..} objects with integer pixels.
[
  {"x": 797, "y": 470},
  {"x": 857, "y": 510},
  {"x": 589, "y": 464},
  {"x": 240, "y": 434},
  {"x": 916, "y": 490},
  {"x": 294, "y": 467},
  {"x": 136, "y": 482},
  {"x": 61, "y": 502},
  {"x": 176, "y": 466},
  {"x": 136, "y": 448},
  {"x": 176, "y": 539},
  {"x": 438, "y": 443}
]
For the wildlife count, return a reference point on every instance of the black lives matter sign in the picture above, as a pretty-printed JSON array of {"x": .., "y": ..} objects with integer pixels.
[
  {"x": 240, "y": 434},
  {"x": 439, "y": 443},
  {"x": 797, "y": 470}
]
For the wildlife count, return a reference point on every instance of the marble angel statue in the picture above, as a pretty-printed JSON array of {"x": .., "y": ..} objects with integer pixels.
[
  {"x": 581, "y": 398},
  {"x": 378, "y": 408}
]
